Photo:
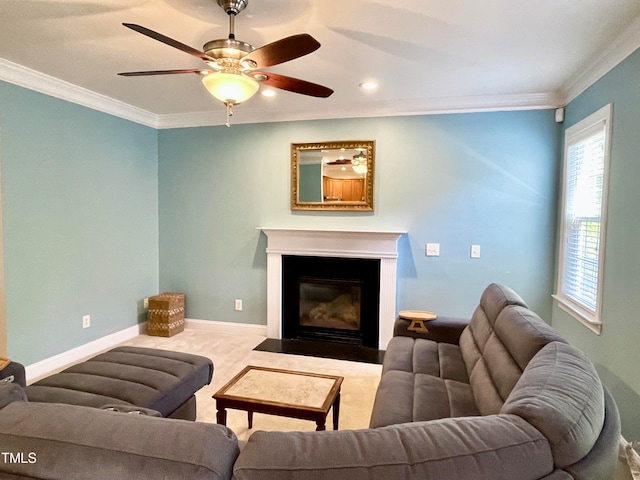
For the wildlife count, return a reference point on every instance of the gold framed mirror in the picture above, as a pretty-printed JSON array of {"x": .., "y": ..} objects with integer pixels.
[{"x": 332, "y": 175}]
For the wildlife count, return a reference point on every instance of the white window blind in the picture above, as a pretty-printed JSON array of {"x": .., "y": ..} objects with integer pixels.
[{"x": 583, "y": 214}]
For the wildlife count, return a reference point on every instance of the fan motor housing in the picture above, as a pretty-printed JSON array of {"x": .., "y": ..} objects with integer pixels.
[
  {"x": 227, "y": 48},
  {"x": 233, "y": 6}
]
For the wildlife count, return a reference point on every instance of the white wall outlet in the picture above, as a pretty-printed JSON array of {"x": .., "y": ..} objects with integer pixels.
[
  {"x": 145, "y": 302},
  {"x": 238, "y": 305},
  {"x": 432, "y": 250},
  {"x": 86, "y": 321},
  {"x": 475, "y": 251}
]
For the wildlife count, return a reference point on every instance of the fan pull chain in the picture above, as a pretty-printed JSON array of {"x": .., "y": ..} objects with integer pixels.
[{"x": 229, "y": 114}]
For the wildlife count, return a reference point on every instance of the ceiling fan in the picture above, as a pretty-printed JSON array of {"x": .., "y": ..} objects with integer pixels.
[{"x": 234, "y": 68}]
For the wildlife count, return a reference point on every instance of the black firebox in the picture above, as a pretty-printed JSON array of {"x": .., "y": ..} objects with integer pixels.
[{"x": 331, "y": 298}]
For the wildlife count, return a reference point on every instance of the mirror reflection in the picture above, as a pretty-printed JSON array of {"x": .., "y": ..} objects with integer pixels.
[{"x": 332, "y": 176}]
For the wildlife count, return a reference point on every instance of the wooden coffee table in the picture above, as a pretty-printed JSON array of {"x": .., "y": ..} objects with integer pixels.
[{"x": 287, "y": 393}]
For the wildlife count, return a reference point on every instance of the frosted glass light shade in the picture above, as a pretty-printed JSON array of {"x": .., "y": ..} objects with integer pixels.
[{"x": 230, "y": 87}]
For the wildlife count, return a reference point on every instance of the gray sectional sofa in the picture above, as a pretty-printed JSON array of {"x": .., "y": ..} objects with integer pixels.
[{"x": 499, "y": 397}]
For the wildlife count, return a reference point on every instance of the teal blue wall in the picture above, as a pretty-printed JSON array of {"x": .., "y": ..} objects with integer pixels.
[
  {"x": 79, "y": 198},
  {"x": 616, "y": 352},
  {"x": 482, "y": 178},
  {"x": 310, "y": 183}
]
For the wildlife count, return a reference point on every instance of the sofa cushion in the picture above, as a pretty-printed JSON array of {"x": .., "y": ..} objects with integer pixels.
[
  {"x": 421, "y": 380},
  {"x": 523, "y": 333},
  {"x": 74, "y": 442},
  {"x": 500, "y": 447},
  {"x": 497, "y": 346},
  {"x": 425, "y": 356},
  {"x": 561, "y": 395},
  {"x": 160, "y": 380},
  {"x": 406, "y": 397}
]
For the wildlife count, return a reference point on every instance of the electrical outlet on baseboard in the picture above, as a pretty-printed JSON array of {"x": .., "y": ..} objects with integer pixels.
[{"x": 86, "y": 321}]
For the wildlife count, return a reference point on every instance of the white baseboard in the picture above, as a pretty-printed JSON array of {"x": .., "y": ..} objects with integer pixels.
[
  {"x": 226, "y": 327},
  {"x": 50, "y": 365}
]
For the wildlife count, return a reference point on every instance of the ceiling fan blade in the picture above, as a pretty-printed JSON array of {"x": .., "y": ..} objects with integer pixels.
[
  {"x": 170, "y": 41},
  {"x": 283, "y": 50},
  {"x": 293, "y": 84},
  {"x": 164, "y": 72}
]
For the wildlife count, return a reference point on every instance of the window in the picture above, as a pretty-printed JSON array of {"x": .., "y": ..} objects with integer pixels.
[{"x": 584, "y": 198}]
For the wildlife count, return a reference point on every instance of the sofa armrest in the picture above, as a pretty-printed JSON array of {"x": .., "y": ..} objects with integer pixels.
[
  {"x": 11, "y": 392},
  {"x": 482, "y": 448},
  {"x": 69, "y": 442},
  {"x": 442, "y": 329},
  {"x": 13, "y": 372}
]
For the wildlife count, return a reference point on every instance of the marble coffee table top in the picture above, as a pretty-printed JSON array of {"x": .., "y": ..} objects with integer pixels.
[{"x": 301, "y": 389}]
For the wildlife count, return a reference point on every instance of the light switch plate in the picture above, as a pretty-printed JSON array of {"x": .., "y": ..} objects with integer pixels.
[
  {"x": 475, "y": 251},
  {"x": 432, "y": 250}
]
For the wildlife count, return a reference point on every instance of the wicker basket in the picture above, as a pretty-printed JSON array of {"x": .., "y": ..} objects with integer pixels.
[{"x": 166, "y": 314}]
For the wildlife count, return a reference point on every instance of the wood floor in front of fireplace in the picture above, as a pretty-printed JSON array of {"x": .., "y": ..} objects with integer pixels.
[{"x": 313, "y": 348}]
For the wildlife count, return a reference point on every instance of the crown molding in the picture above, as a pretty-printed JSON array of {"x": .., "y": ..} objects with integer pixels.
[
  {"x": 40, "y": 82},
  {"x": 33, "y": 80},
  {"x": 244, "y": 114},
  {"x": 623, "y": 46}
]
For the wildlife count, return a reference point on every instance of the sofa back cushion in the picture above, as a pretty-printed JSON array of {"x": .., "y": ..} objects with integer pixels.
[
  {"x": 502, "y": 337},
  {"x": 74, "y": 442},
  {"x": 495, "y": 297},
  {"x": 561, "y": 395},
  {"x": 479, "y": 448}
]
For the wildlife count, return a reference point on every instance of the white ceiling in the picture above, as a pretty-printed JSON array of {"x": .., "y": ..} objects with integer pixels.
[{"x": 426, "y": 55}]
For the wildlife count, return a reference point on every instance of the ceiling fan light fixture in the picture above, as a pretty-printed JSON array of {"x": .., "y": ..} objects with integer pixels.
[
  {"x": 230, "y": 88},
  {"x": 230, "y": 76},
  {"x": 359, "y": 158}
]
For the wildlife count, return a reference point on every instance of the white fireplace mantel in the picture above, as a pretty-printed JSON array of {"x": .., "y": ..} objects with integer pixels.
[{"x": 382, "y": 245}]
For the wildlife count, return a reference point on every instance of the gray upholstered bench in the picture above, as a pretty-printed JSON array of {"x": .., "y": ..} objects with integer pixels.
[{"x": 159, "y": 380}]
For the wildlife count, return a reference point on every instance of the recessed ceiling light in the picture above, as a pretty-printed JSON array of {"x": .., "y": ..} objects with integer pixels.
[
  {"x": 268, "y": 93},
  {"x": 368, "y": 85}
]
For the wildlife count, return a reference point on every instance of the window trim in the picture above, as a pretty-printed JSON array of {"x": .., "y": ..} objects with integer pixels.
[{"x": 574, "y": 135}]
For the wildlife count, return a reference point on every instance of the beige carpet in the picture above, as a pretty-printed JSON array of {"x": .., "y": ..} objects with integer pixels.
[{"x": 230, "y": 353}]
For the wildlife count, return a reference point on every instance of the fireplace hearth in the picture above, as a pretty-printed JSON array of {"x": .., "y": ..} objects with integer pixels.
[{"x": 331, "y": 299}]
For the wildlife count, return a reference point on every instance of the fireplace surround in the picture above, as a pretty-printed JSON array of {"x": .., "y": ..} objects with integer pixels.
[{"x": 379, "y": 245}]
